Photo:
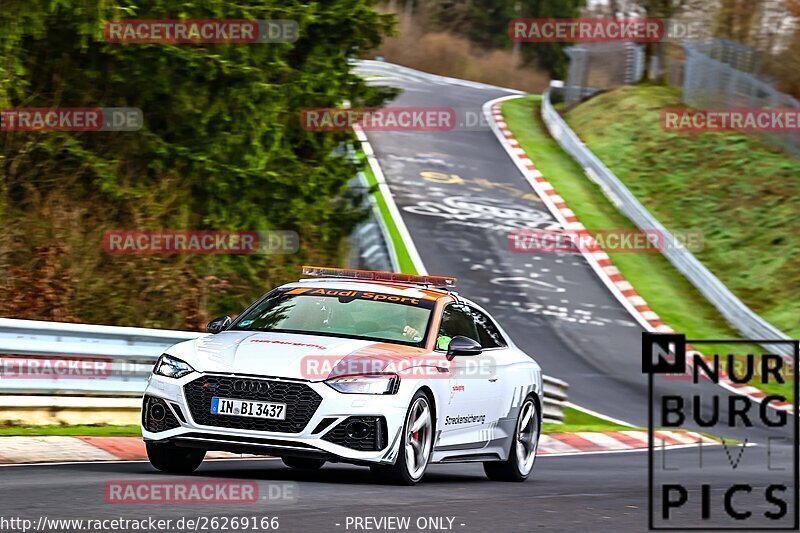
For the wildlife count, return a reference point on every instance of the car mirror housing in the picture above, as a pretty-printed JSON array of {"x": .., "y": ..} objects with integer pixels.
[
  {"x": 219, "y": 324},
  {"x": 461, "y": 345}
]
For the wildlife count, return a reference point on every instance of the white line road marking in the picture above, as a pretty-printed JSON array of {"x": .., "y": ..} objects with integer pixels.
[
  {"x": 598, "y": 415},
  {"x": 394, "y": 212}
]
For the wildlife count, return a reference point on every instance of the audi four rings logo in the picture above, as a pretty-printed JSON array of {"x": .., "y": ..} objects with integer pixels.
[{"x": 250, "y": 385}]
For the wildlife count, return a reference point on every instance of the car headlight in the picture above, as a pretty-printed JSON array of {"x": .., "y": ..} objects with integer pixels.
[
  {"x": 171, "y": 367},
  {"x": 368, "y": 384}
]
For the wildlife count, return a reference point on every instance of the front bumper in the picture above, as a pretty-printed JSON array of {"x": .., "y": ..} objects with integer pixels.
[{"x": 330, "y": 432}]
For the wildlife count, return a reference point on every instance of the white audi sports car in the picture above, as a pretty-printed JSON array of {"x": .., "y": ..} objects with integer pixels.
[{"x": 379, "y": 369}]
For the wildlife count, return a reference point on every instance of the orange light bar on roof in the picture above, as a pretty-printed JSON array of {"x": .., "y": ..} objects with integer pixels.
[{"x": 374, "y": 275}]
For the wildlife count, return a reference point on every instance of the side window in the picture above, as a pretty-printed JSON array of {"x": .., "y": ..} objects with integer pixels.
[
  {"x": 456, "y": 320},
  {"x": 487, "y": 331}
]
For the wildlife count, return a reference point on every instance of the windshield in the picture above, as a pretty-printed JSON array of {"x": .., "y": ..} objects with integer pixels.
[{"x": 341, "y": 313}]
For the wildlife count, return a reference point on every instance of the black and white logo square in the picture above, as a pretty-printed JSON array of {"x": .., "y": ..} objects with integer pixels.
[{"x": 663, "y": 353}]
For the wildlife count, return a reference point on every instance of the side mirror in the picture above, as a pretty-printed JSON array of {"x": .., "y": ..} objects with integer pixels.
[
  {"x": 461, "y": 345},
  {"x": 219, "y": 324}
]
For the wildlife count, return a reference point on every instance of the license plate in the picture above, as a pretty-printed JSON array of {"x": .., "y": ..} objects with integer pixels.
[{"x": 228, "y": 406}]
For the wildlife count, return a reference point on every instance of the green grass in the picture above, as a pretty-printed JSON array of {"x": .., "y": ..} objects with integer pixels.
[
  {"x": 76, "y": 431},
  {"x": 406, "y": 264},
  {"x": 575, "y": 420},
  {"x": 667, "y": 292},
  {"x": 739, "y": 192}
]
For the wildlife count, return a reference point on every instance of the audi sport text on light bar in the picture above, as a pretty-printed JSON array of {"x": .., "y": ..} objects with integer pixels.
[{"x": 371, "y": 275}]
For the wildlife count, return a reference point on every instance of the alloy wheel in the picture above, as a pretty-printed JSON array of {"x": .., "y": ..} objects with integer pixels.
[
  {"x": 527, "y": 437},
  {"x": 419, "y": 430}
]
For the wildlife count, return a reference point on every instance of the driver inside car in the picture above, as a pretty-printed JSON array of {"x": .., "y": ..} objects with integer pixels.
[{"x": 415, "y": 325}]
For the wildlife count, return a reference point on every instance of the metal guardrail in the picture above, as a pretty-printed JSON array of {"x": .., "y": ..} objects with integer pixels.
[
  {"x": 370, "y": 244},
  {"x": 371, "y": 67},
  {"x": 131, "y": 353},
  {"x": 741, "y": 317},
  {"x": 555, "y": 396},
  {"x": 128, "y": 355}
]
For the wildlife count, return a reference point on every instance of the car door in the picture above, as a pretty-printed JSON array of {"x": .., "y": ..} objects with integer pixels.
[
  {"x": 500, "y": 358},
  {"x": 473, "y": 392}
]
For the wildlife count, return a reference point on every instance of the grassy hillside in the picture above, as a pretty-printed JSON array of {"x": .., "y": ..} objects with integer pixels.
[
  {"x": 677, "y": 302},
  {"x": 738, "y": 192}
]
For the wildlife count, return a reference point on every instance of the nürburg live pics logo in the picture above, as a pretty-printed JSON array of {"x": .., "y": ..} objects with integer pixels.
[{"x": 743, "y": 395}]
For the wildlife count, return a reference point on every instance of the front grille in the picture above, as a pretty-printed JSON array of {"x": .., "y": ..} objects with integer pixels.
[
  {"x": 166, "y": 419},
  {"x": 362, "y": 433},
  {"x": 300, "y": 399}
]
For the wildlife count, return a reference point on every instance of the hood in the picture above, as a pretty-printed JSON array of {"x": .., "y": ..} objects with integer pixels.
[{"x": 288, "y": 355}]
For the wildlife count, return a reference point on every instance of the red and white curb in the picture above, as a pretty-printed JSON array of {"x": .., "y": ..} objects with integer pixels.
[
  {"x": 613, "y": 441},
  {"x": 599, "y": 261},
  {"x": 23, "y": 449},
  {"x": 31, "y": 450}
]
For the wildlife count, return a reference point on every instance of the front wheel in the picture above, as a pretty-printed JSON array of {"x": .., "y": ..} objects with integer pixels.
[
  {"x": 415, "y": 447},
  {"x": 523, "y": 448},
  {"x": 173, "y": 459}
]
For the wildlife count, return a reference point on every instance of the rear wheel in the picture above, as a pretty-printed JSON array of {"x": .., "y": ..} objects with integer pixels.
[
  {"x": 302, "y": 463},
  {"x": 523, "y": 448},
  {"x": 173, "y": 459},
  {"x": 415, "y": 447}
]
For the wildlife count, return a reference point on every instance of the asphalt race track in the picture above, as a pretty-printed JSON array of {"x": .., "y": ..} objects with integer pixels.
[
  {"x": 460, "y": 194},
  {"x": 605, "y": 492},
  {"x": 554, "y": 306}
]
